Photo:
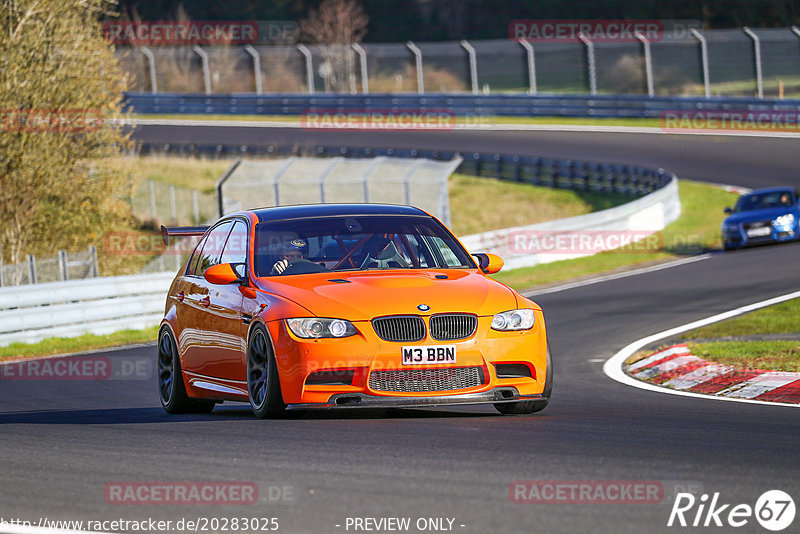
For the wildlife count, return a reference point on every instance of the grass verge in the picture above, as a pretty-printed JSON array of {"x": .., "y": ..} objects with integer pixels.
[
  {"x": 770, "y": 355},
  {"x": 776, "y": 355},
  {"x": 778, "y": 319},
  {"x": 483, "y": 204},
  {"x": 86, "y": 342},
  {"x": 695, "y": 231}
]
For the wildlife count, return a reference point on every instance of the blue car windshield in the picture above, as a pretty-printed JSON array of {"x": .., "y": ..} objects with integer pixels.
[
  {"x": 352, "y": 243},
  {"x": 762, "y": 201}
]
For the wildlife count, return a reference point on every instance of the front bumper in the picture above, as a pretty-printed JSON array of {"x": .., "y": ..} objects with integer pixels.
[
  {"x": 366, "y": 355},
  {"x": 361, "y": 400}
]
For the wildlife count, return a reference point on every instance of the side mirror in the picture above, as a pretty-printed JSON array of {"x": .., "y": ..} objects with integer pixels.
[
  {"x": 489, "y": 263},
  {"x": 728, "y": 210},
  {"x": 222, "y": 274}
]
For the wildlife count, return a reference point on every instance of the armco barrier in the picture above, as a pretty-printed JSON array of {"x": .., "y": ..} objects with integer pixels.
[
  {"x": 643, "y": 216},
  {"x": 547, "y": 172},
  {"x": 97, "y": 306},
  {"x": 520, "y": 105}
]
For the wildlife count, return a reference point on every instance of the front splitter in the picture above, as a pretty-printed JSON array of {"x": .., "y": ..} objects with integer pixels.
[{"x": 361, "y": 400}]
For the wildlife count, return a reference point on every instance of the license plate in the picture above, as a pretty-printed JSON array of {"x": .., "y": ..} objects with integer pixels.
[
  {"x": 428, "y": 354},
  {"x": 759, "y": 232}
]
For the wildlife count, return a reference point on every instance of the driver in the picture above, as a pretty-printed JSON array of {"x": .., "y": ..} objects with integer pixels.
[{"x": 296, "y": 249}]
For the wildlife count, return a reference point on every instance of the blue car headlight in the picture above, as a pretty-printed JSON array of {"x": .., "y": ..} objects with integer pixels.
[
  {"x": 784, "y": 220},
  {"x": 730, "y": 229}
]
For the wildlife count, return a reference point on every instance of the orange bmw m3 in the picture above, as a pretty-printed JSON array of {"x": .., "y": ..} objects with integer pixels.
[{"x": 345, "y": 305}]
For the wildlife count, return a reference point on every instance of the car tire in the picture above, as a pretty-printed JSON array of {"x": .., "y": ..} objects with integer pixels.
[
  {"x": 263, "y": 386},
  {"x": 529, "y": 407},
  {"x": 171, "y": 388}
]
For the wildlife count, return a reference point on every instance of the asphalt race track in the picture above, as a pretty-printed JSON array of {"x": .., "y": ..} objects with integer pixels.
[
  {"x": 746, "y": 161},
  {"x": 64, "y": 441}
]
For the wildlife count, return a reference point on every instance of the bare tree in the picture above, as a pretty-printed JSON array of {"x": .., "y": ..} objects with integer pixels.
[{"x": 336, "y": 25}]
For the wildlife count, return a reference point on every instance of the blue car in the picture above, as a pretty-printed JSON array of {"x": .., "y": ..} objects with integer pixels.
[{"x": 762, "y": 216}]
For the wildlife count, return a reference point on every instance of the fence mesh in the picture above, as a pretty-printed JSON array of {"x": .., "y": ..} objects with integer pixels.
[
  {"x": 62, "y": 266},
  {"x": 502, "y": 65},
  {"x": 165, "y": 204},
  {"x": 419, "y": 182}
]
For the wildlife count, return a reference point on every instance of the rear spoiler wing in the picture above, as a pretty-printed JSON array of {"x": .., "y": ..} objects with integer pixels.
[{"x": 181, "y": 231}]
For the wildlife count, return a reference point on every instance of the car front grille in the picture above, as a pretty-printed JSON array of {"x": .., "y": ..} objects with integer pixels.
[
  {"x": 400, "y": 328},
  {"x": 452, "y": 326},
  {"x": 421, "y": 380}
]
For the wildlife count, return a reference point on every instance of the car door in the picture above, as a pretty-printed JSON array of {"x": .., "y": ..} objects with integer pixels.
[
  {"x": 221, "y": 354},
  {"x": 194, "y": 340},
  {"x": 185, "y": 313}
]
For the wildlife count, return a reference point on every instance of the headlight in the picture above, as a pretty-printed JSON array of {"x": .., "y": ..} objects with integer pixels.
[
  {"x": 514, "y": 320},
  {"x": 783, "y": 220},
  {"x": 315, "y": 327}
]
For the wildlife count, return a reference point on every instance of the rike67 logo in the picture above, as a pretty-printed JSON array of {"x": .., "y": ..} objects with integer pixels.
[{"x": 774, "y": 510}]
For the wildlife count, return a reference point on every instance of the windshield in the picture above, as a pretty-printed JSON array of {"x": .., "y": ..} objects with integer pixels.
[
  {"x": 761, "y": 201},
  {"x": 355, "y": 243}
]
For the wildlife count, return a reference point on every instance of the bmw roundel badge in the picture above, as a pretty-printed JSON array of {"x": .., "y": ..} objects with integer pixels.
[{"x": 423, "y": 307}]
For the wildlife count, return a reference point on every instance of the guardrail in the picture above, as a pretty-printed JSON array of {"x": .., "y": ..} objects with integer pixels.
[
  {"x": 634, "y": 220},
  {"x": 548, "y": 172},
  {"x": 97, "y": 306},
  {"x": 519, "y": 105}
]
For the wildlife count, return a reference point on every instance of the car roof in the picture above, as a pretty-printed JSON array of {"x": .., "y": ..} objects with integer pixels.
[
  {"x": 303, "y": 211},
  {"x": 779, "y": 189}
]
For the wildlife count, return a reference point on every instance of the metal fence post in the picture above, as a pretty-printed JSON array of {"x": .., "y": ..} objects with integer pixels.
[
  {"x": 757, "y": 54},
  {"x": 206, "y": 74},
  {"x": 277, "y": 178},
  {"x": 173, "y": 211},
  {"x": 195, "y": 207},
  {"x": 151, "y": 60},
  {"x": 368, "y": 174},
  {"x": 1, "y": 272},
  {"x": 324, "y": 175},
  {"x": 418, "y": 60},
  {"x": 531, "y": 66},
  {"x": 704, "y": 57},
  {"x": 95, "y": 270},
  {"x": 153, "y": 213},
  {"x": 62, "y": 265},
  {"x": 473, "y": 65},
  {"x": 221, "y": 182},
  {"x": 407, "y": 179},
  {"x": 256, "y": 67},
  {"x": 590, "y": 63},
  {"x": 362, "y": 56},
  {"x": 31, "y": 269},
  {"x": 648, "y": 62},
  {"x": 309, "y": 67}
]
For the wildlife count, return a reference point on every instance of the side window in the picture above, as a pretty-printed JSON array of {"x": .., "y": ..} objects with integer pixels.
[
  {"x": 236, "y": 246},
  {"x": 212, "y": 249},
  {"x": 192, "y": 269}
]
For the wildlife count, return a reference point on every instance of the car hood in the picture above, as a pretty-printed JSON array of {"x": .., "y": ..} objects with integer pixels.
[
  {"x": 359, "y": 296},
  {"x": 759, "y": 215}
]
